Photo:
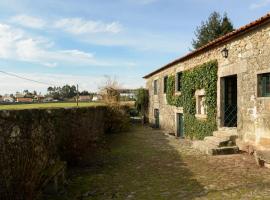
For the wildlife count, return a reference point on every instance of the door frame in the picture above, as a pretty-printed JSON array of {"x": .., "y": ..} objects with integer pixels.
[
  {"x": 180, "y": 130},
  {"x": 223, "y": 100}
]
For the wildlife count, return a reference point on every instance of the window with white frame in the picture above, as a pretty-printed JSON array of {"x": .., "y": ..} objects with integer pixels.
[{"x": 201, "y": 108}]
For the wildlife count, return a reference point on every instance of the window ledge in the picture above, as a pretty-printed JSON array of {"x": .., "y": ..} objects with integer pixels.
[
  {"x": 178, "y": 93},
  {"x": 264, "y": 98},
  {"x": 200, "y": 116}
]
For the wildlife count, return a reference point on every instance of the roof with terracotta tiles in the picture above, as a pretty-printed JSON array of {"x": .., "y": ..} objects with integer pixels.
[{"x": 221, "y": 40}]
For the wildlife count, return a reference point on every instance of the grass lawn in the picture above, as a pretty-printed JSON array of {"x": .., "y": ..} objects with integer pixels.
[{"x": 48, "y": 105}]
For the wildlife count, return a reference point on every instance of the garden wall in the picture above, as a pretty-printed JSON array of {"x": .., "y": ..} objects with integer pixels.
[{"x": 31, "y": 141}]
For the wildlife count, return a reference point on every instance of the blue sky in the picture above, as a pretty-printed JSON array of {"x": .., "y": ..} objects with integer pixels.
[{"x": 80, "y": 41}]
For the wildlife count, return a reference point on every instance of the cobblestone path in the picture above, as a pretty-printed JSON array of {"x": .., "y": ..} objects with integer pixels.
[{"x": 146, "y": 164}]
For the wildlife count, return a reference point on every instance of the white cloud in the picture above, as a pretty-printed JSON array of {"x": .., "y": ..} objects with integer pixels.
[
  {"x": 11, "y": 84},
  {"x": 81, "y": 26},
  {"x": 108, "y": 34},
  {"x": 18, "y": 45},
  {"x": 8, "y": 37},
  {"x": 259, "y": 4},
  {"x": 28, "y": 21}
]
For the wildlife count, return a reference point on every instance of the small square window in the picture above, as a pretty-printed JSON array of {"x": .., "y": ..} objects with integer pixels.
[
  {"x": 179, "y": 81},
  {"x": 155, "y": 87},
  {"x": 264, "y": 85},
  {"x": 165, "y": 83}
]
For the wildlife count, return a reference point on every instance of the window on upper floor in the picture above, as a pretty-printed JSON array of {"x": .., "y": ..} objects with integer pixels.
[
  {"x": 155, "y": 87},
  {"x": 264, "y": 85},
  {"x": 165, "y": 83},
  {"x": 179, "y": 81}
]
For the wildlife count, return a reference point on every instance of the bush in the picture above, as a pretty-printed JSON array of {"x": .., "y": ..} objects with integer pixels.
[
  {"x": 116, "y": 119},
  {"x": 79, "y": 133},
  {"x": 25, "y": 153}
]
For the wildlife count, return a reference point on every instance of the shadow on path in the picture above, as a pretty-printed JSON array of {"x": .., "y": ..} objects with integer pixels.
[{"x": 140, "y": 165}]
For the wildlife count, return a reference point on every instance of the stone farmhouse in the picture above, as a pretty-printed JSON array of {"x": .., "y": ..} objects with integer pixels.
[{"x": 239, "y": 89}]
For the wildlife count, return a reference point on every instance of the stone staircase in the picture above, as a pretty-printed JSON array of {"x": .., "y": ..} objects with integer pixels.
[{"x": 221, "y": 143}]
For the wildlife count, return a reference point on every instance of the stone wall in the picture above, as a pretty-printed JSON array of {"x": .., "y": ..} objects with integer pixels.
[
  {"x": 249, "y": 55},
  {"x": 34, "y": 142}
]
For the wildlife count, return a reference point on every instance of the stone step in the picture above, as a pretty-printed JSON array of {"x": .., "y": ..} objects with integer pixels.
[
  {"x": 226, "y": 134},
  {"x": 218, "y": 141},
  {"x": 203, "y": 146},
  {"x": 211, "y": 149},
  {"x": 225, "y": 150}
]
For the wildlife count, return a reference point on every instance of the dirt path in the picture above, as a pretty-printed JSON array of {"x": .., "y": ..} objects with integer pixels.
[{"x": 146, "y": 164}]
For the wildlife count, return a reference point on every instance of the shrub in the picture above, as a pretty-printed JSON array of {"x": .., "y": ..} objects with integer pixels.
[
  {"x": 25, "y": 153},
  {"x": 116, "y": 119}
]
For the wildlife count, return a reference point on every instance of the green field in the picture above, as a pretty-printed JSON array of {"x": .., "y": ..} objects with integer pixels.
[{"x": 48, "y": 105}]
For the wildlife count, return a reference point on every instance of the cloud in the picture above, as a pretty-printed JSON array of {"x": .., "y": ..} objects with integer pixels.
[
  {"x": 259, "y": 4},
  {"x": 18, "y": 45},
  {"x": 109, "y": 34},
  {"x": 28, "y": 21},
  {"x": 80, "y": 26}
]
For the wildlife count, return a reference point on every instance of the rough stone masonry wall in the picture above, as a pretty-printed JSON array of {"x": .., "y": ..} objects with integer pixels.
[
  {"x": 34, "y": 142},
  {"x": 249, "y": 55}
]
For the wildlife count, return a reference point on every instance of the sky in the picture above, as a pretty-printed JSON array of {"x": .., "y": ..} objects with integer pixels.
[{"x": 81, "y": 42}]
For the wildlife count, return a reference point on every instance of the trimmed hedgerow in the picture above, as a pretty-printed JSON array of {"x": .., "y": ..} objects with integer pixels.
[{"x": 200, "y": 77}]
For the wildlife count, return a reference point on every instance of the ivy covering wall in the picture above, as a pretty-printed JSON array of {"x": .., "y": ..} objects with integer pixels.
[{"x": 201, "y": 77}]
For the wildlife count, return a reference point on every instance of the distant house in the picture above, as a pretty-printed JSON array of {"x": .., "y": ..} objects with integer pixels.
[
  {"x": 8, "y": 99},
  {"x": 24, "y": 100},
  {"x": 1, "y": 99},
  {"x": 48, "y": 99},
  {"x": 96, "y": 97},
  {"x": 85, "y": 98},
  {"x": 39, "y": 98},
  {"x": 127, "y": 94},
  {"x": 19, "y": 95}
]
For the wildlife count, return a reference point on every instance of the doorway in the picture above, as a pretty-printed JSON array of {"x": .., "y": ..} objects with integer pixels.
[
  {"x": 156, "y": 115},
  {"x": 180, "y": 125},
  {"x": 230, "y": 101}
]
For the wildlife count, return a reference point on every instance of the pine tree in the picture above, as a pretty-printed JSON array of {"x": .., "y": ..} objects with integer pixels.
[{"x": 213, "y": 28}]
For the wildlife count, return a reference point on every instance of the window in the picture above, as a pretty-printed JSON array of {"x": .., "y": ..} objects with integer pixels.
[
  {"x": 264, "y": 85},
  {"x": 155, "y": 87},
  {"x": 165, "y": 82},
  {"x": 201, "y": 108},
  {"x": 179, "y": 81}
]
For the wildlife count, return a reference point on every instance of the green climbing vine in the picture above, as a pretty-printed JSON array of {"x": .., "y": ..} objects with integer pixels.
[{"x": 200, "y": 77}]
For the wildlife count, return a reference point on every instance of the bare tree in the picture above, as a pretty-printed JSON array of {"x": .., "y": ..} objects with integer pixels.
[{"x": 110, "y": 90}]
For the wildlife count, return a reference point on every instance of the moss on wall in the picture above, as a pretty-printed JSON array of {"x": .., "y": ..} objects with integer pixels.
[{"x": 201, "y": 77}]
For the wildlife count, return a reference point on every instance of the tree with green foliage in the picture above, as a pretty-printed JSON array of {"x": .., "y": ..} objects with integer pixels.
[
  {"x": 142, "y": 100},
  {"x": 216, "y": 26}
]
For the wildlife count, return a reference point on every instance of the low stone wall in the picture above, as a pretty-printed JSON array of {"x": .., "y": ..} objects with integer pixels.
[{"x": 32, "y": 141}]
